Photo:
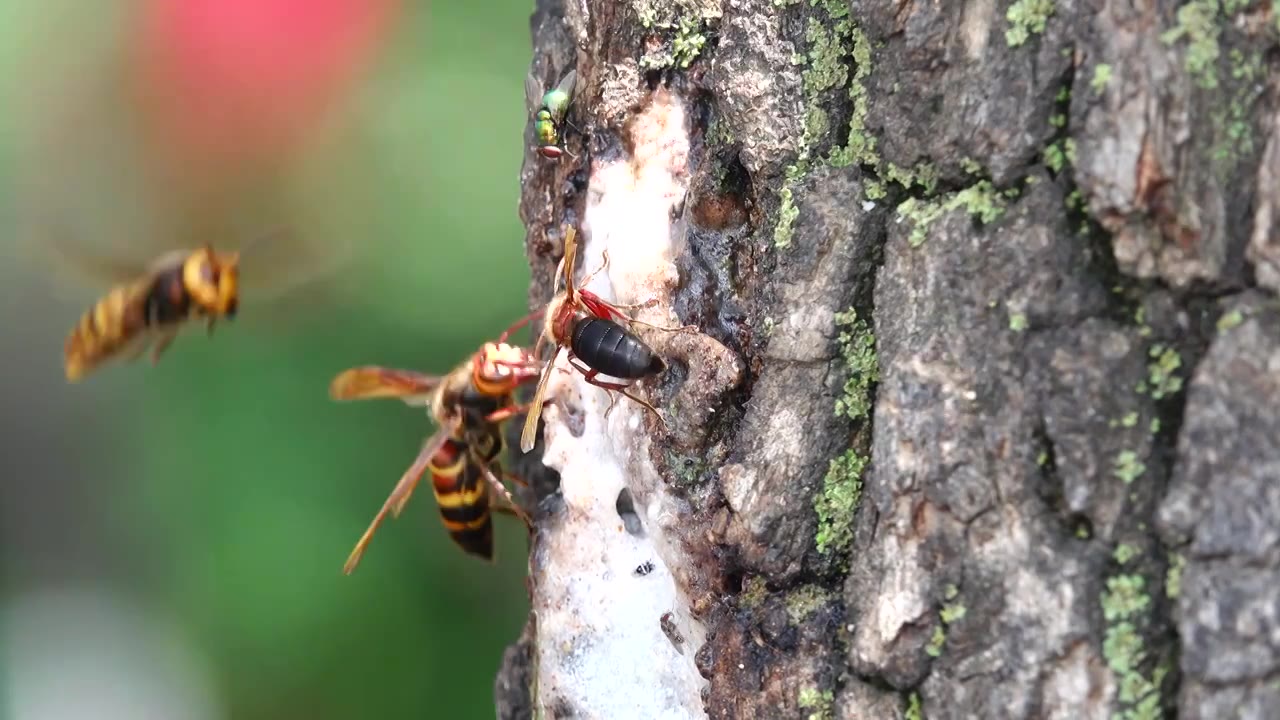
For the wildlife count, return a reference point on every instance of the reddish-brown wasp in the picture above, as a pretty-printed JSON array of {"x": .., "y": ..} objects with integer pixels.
[
  {"x": 468, "y": 405},
  {"x": 591, "y": 330}
]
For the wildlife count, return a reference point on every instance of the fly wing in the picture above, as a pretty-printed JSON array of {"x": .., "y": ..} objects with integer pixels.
[
  {"x": 529, "y": 437},
  {"x": 400, "y": 494},
  {"x": 532, "y": 93},
  {"x": 374, "y": 381},
  {"x": 566, "y": 87}
]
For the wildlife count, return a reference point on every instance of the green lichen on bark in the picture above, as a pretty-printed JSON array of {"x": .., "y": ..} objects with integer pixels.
[
  {"x": 838, "y": 501},
  {"x": 949, "y": 614},
  {"x": 842, "y": 486},
  {"x": 1198, "y": 26},
  {"x": 1128, "y": 467},
  {"x": 980, "y": 200},
  {"x": 1101, "y": 77},
  {"x": 819, "y": 704},
  {"x": 839, "y": 53},
  {"x": 914, "y": 711},
  {"x": 787, "y": 209},
  {"x": 1125, "y": 607},
  {"x": 682, "y": 23},
  {"x": 826, "y": 37},
  {"x": 1173, "y": 576},
  {"x": 1229, "y": 321},
  {"x": 804, "y": 601},
  {"x": 858, "y": 348},
  {"x": 1026, "y": 18},
  {"x": 1162, "y": 372}
]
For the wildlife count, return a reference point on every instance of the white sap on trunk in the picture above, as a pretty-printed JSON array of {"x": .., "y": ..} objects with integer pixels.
[{"x": 602, "y": 651}]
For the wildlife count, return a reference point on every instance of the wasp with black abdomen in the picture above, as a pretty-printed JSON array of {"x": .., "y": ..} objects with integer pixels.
[{"x": 592, "y": 331}]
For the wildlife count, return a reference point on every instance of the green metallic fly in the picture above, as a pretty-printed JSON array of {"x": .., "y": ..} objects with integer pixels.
[{"x": 549, "y": 112}]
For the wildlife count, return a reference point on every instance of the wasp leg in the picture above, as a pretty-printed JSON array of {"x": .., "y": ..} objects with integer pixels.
[
  {"x": 634, "y": 306},
  {"x": 681, "y": 329},
  {"x": 613, "y": 399},
  {"x": 515, "y": 479},
  {"x": 504, "y": 495},
  {"x": 622, "y": 389},
  {"x": 602, "y": 308},
  {"x": 508, "y": 412},
  {"x": 603, "y": 264},
  {"x": 500, "y": 504},
  {"x": 135, "y": 351},
  {"x": 590, "y": 376},
  {"x": 521, "y": 323},
  {"x": 162, "y": 344},
  {"x": 213, "y": 320}
]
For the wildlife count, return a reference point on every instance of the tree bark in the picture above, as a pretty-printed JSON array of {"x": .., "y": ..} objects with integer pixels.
[{"x": 983, "y": 416}]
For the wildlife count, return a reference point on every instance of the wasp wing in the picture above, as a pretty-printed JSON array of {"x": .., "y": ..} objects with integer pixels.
[
  {"x": 528, "y": 437},
  {"x": 373, "y": 381},
  {"x": 283, "y": 261},
  {"x": 74, "y": 266},
  {"x": 399, "y": 496},
  {"x": 569, "y": 259}
]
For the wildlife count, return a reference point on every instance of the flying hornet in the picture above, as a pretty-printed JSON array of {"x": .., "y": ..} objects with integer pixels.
[
  {"x": 151, "y": 303},
  {"x": 592, "y": 331},
  {"x": 151, "y": 309},
  {"x": 549, "y": 113},
  {"x": 468, "y": 406}
]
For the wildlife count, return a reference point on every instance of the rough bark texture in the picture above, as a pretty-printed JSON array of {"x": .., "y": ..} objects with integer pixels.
[{"x": 1000, "y": 281}]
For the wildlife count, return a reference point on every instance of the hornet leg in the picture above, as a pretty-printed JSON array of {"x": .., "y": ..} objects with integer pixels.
[
  {"x": 505, "y": 495},
  {"x": 681, "y": 329},
  {"x": 162, "y": 344},
  {"x": 140, "y": 346},
  {"x": 586, "y": 280},
  {"x": 521, "y": 323},
  {"x": 507, "y": 413},
  {"x": 621, "y": 388}
]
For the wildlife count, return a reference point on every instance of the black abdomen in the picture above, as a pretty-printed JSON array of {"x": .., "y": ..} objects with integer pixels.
[{"x": 607, "y": 347}]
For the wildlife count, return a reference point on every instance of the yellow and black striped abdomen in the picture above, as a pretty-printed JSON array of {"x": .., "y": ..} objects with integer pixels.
[
  {"x": 123, "y": 318},
  {"x": 114, "y": 322},
  {"x": 463, "y": 497}
]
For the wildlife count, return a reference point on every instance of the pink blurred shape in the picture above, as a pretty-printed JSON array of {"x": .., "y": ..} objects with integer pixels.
[{"x": 235, "y": 83}]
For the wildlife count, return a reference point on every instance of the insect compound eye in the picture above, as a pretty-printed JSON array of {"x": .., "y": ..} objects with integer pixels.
[{"x": 550, "y": 152}]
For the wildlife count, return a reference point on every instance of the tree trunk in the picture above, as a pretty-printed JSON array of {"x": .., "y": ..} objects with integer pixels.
[{"x": 982, "y": 419}]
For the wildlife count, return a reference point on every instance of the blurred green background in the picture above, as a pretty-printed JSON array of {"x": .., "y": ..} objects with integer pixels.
[{"x": 173, "y": 537}]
